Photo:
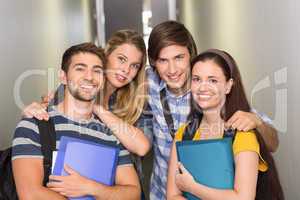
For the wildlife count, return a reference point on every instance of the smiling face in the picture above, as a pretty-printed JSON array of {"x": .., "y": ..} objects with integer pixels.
[
  {"x": 209, "y": 86},
  {"x": 123, "y": 64},
  {"x": 173, "y": 66},
  {"x": 84, "y": 77}
]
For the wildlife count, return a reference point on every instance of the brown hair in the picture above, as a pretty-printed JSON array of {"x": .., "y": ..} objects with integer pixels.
[
  {"x": 135, "y": 91},
  {"x": 169, "y": 33},
  {"x": 81, "y": 48},
  {"x": 268, "y": 184}
]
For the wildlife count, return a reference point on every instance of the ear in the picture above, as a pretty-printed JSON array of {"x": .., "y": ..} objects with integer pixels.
[
  {"x": 229, "y": 85},
  {"x": 63, "y": 77}
]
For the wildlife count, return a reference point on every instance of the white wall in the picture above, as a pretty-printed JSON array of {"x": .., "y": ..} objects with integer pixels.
[
  {"x": 33, "y": 36},
  {"x": 263, "y": 36}
]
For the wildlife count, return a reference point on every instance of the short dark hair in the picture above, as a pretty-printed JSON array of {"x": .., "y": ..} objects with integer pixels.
[
  {"x": 169, "y": 33},
  {"x": 87, "y": 47}
]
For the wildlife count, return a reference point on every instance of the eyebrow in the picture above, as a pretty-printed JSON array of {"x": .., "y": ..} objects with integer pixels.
[
  {"x": 195, "y": 75},
  {"x": 120, "y": 54},
  {"x": 178, "y": 55},
  {"x": 98, "y": 67},
  {"x": 84, "y": 65},
  {"x": 213, "y": 77}
]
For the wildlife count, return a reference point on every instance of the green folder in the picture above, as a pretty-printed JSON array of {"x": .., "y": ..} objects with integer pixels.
[{"x": 209, "y": 161}]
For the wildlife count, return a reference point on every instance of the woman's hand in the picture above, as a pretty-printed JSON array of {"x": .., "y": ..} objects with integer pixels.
[
  {"x": 98, "y": 110},
  {"x": 38, "y": 110},
  {"x": 72, "y": 185},
  {"x": 184, "y": 180}
]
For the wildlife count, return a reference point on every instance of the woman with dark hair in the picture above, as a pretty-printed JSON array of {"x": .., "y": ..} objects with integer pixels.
[{"x": 218, "y": 93}]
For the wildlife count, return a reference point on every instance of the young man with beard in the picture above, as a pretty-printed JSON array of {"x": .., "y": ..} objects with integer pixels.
[
  {"x": 82, "y": 76},
  {"x": 170, "y": 49}
]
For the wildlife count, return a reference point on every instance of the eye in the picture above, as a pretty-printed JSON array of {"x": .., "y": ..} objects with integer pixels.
[
  {"x": 98, "y": 70},
  {"x": 179, "y": 57},
  {"x": 136, "y": 66},
  {"x": 213, "y": 81},
  {"x": 196, "y": 79},
  {"x": 121, "y": 59},
  {"x": 162, "y": 60},
  {"x": 79, "y": 68}
]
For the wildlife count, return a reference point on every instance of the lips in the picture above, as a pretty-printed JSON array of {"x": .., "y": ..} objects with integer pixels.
[
  {"x": 121, "y": 78},
  {"x": 88, "y": 87},
  {"x": 204, "y": 96},
  {"x": 174, "y": 78}
]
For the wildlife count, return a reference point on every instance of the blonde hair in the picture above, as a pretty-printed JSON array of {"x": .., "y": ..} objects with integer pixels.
[{"x": 135, "y": 92}]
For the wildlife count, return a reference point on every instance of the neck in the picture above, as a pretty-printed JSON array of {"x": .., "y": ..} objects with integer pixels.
[
  {"x": 75, "y": 109},
  {"x": 108, "y": 91},
  {"x": 212, "y": 123},
  {"x": 182, "y": 90}
]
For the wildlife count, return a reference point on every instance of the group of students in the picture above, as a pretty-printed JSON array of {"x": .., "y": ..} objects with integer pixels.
[{"x": 111, "y": 96}]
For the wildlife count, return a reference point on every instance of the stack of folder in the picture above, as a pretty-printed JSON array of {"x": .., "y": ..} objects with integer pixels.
[
  {"x": 209, "y": 161},
  {"x": 92, "y": 160}
]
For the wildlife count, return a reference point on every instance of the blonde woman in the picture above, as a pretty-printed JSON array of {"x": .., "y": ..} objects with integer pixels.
[{"x": 124, "y": 93}]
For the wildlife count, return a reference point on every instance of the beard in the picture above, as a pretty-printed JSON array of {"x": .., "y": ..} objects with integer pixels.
[{"x": 80, "y": 95}]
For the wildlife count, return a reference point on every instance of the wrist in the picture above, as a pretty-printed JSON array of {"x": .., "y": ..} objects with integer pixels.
[
  {"x": 92, "y": 188},
  {"x": 259, "y": 121},
  {"x": 191, "y": 187}
]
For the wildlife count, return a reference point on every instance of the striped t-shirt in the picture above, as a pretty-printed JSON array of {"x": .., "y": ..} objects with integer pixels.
[{"x": 26, "y": 142}]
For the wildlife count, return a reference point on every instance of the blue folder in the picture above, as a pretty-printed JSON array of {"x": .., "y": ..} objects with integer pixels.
[
  {"x": 92, "y": 160},
  {"x": 209, "y": 161}
]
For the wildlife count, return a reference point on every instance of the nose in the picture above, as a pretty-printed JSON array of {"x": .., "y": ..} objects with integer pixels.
[
  {"x": 126, "y": 68},
  {"x": 203, "y": 86},
  {"x": 89, "y": 75},
  {"x": 172, "y": 68}
]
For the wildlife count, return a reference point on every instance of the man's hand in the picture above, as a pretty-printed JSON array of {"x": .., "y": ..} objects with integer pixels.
[
  {"x": 243, "y": 121},
  {"x": 72, "y": 185}
]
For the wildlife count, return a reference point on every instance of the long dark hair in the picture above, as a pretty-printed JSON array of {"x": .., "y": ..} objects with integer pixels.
[{"x": 268, "y": 184}]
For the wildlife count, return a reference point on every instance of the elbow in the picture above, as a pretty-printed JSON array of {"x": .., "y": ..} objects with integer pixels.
[
  {"x": 142, "y": 152},
  {"x": 144, "y": 149}
]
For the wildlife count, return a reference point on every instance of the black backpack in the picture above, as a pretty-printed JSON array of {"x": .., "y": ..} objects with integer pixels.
[{"x": 48, "y": 144}]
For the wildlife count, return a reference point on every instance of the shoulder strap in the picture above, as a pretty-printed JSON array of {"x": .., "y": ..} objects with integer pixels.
[
  {"x": 167, "y": 112},
  {"x": 190, "y": 131},
  {"x": 230, "y": 133},
  {"x": 48, "y": 145}
]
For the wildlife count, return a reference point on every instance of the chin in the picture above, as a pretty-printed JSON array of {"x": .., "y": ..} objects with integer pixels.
[{"x": 175, "y": 85}]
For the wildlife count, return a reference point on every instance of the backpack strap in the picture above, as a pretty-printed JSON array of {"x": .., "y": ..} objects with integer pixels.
[
  {"x": 167, "y": 112},
  {"x": 48, "y": 145},
  {"x": 190, "y": 131}
]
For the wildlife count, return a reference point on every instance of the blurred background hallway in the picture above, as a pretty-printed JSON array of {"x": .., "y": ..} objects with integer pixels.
[{"x": 263, "y": 36}]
